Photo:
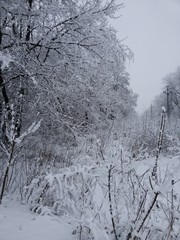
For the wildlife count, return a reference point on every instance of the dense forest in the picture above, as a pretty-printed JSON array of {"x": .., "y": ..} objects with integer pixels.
[{"x": 71, "y": 142}]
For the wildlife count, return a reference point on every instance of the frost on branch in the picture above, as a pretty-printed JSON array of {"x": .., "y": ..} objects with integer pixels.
[{"x": 33, "y": 128}]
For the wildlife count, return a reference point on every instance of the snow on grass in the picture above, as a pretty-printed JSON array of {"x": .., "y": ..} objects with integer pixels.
[
  {"x": 80, "y": 196},
  {"x": 18, "y": 223}
]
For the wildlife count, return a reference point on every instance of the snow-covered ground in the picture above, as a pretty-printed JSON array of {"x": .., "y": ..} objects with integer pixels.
[{"x": 18, "y": 223}]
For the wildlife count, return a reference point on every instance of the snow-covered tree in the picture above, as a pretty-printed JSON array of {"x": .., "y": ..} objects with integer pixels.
[{"x": 68, "y": 62}]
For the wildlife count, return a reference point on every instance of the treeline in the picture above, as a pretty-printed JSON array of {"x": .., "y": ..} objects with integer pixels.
[{"x": 145, "y": 139}]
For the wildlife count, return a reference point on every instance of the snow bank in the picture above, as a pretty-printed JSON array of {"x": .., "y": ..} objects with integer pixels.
[{"x": 17, "y": 223}]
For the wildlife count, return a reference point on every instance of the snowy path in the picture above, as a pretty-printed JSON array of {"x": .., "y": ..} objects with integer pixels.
[{"x": 17, "y": 223}]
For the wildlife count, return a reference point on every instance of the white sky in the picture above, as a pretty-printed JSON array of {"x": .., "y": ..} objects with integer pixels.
[{"x": 153, "y": 31}]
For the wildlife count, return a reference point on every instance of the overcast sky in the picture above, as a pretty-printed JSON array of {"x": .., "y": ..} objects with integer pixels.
[{"x": 152, "y": 28}]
